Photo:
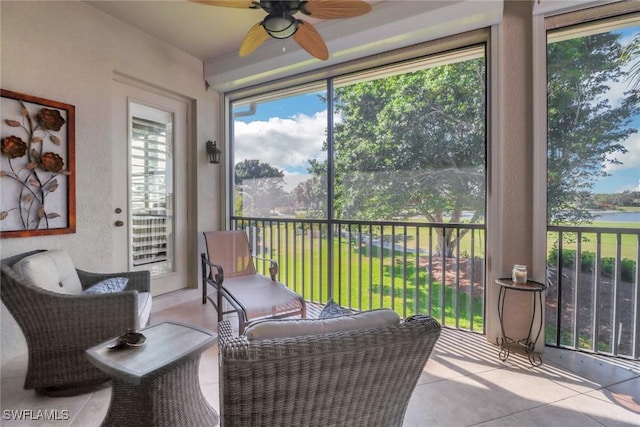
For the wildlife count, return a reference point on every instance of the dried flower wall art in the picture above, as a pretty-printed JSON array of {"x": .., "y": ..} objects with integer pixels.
[{"x": 37, "y": 165}]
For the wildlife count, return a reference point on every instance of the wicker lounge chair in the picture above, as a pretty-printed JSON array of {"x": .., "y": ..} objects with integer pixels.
[
  {"x": 229, "y": 269},
  {"x": 59, "y": 327},
  {"x": 351, "y": 378}
]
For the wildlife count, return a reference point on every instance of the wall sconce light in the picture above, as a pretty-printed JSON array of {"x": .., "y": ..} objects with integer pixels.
[{"x": 213, "y": 152}]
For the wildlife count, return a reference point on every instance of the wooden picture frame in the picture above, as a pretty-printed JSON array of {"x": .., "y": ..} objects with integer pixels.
[{"x": 37, "y": 166}]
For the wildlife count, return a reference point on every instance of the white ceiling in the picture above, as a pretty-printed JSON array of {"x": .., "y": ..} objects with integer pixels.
[
  {"x": 214, "y": 34},
  {"x": 206, "y": 32}
]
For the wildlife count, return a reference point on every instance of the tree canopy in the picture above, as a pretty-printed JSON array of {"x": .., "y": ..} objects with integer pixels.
[
  {"x": 258, "y": 188},
  {"x": 585, "y": 129},
  {"x": 255, "y": 169},
  {"x": 412, "y": 144}
]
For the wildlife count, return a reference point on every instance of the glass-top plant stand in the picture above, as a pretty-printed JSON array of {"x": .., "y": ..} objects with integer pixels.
[{"x": 528, "y": 342}]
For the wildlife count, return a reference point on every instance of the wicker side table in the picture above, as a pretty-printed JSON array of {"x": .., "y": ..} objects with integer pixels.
[{"x": 157, "y": 384}]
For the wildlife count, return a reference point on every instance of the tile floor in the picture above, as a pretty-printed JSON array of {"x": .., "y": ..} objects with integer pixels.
[{"x": 463, "y": 384}]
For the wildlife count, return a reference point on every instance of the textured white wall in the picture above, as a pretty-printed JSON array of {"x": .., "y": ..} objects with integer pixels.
[{"x": 69, "y": 52}]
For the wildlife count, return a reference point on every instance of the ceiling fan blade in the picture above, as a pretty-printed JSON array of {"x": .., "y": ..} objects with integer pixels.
[
  {"x": 254, "y": 38},
  {"x": 310, "y": 40},
  {"x": 335, "y": 9},
  {"x": 239, "y": 4}
]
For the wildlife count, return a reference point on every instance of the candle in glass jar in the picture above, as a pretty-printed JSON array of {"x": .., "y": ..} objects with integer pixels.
[{"x": 519, "y": 273}]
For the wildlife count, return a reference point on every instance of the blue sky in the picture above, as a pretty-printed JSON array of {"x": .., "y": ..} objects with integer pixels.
[
  {"x": 626, "y": 176},
  {"x": 308, "y": 104},
  {"x": 288, "y": 131}
]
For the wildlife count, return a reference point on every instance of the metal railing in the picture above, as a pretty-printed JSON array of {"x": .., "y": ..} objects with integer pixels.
[
  {"x": 593, "y": 299},
  {"x": 406, "y": 266},
  {"x": 592, "y": 303}
]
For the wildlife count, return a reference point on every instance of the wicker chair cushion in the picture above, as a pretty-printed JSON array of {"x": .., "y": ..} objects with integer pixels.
[
  {"x": 112, "y": 284},
  {"x": 286, "y": 328},
  {"x": 51, "y": 270}
]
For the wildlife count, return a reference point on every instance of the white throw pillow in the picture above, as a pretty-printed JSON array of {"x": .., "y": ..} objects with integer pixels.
[
  {"x": 285, "y": 328},
  {"x": 51, "y": 270}
]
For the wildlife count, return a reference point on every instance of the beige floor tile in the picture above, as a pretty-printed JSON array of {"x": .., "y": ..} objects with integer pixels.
[
  {"x": 627, "y": 391},
  {"x": 522, "y": 388},
  {"x": 623, "y": 397},
  {"x": 38, "y": 410},
  {"x": 191, "y": 312},
  {"x": 446, "y": 366},
  {"x": 15, "y": 367},
  {"x": 209, "y": 366},
  {"x": 421, "y": 414},
  {"x": 463, "y": 401},
  {"x": 95, "y": 410},
  {"x": 588, "y": 367},
  {"x": 551, "y": 415},
  {"x": 210, "y": 392},
  {"x": 607, "y": 414},
  {"x": 508, "y": 421}
]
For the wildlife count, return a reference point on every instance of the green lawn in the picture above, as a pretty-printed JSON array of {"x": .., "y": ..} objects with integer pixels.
[
  {"x": 628, "y": 243},
  {"x": 392, "y": 280},
  {"x": 362, "y": 282}
]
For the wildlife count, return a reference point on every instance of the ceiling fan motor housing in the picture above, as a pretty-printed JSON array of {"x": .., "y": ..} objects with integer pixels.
[
  {"x": 280, "y": 26},
  {"x": 280, "y": 7}
]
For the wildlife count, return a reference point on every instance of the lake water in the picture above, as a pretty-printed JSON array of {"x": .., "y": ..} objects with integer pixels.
[{"x": 618, "y": 216}]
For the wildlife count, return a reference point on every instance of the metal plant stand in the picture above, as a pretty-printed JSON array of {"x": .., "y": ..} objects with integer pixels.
[{"x": 529, "y": 342}]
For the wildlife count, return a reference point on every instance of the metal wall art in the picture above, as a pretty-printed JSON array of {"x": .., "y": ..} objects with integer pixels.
[{"x": 37, "y": 166}]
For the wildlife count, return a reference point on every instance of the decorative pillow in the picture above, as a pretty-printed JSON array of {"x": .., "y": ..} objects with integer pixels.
[
  {"x": 51, "y": 270},
  {"x": 333, "y": 309},
  {"x": 107, "y": 286},
  {"x": 287, "y": 328}
]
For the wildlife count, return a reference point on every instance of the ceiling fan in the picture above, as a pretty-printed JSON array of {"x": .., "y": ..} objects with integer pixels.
[{"x": 280, "y": 23}]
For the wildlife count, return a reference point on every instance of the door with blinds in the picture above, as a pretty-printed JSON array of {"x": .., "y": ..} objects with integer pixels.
[{"x": 149, "y": 178}]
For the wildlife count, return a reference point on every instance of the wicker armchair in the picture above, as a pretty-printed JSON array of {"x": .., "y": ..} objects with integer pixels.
[
  {"x": 59, "y": 328},
  {"x": 357, "y": 378}
]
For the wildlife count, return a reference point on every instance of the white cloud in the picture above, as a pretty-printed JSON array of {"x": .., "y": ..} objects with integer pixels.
[
  {"x": 631, "y": 159},
  {"x": 283, "y": 143},
  {"x": 616, "y": 93}
]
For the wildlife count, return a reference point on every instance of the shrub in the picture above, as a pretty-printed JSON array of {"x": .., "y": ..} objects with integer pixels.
[
  {"x": 628, "y": 270},
  {"x": 587, "y": 263}
]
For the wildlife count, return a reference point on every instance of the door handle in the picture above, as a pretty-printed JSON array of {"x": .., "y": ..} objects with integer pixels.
[{"x": 119, "y": 223}]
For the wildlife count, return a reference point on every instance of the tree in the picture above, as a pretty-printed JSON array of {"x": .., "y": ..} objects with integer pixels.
[
  {"x": 311, "y": 195},
  {"x": 258, "y": 187},
  {"x": 302, "y": 195},
  {"x": 254, "y": 169},
  {"x": 413, "y": 144},
  {"x": 631, "y": 55},
  {"x": 585, "y": 130}
]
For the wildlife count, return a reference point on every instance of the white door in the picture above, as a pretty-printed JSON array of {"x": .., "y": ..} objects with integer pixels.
[{"x": 149, "y": 181}]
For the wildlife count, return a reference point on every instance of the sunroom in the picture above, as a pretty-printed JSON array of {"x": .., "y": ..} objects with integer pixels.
[{"x": 440, "y": 144}]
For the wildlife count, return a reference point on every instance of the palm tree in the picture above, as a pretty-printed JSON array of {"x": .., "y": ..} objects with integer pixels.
[{"x": 631, "y": 54}]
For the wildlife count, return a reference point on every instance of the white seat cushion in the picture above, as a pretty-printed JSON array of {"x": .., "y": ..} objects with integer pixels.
[
  {"x": 144, "y": 309},
  {"x": 51, "y": 270},
  {"x": 287, "y": 328}
]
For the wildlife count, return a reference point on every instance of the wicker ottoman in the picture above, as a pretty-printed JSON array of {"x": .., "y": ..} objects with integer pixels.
[{"x": 156, "y": 384}]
